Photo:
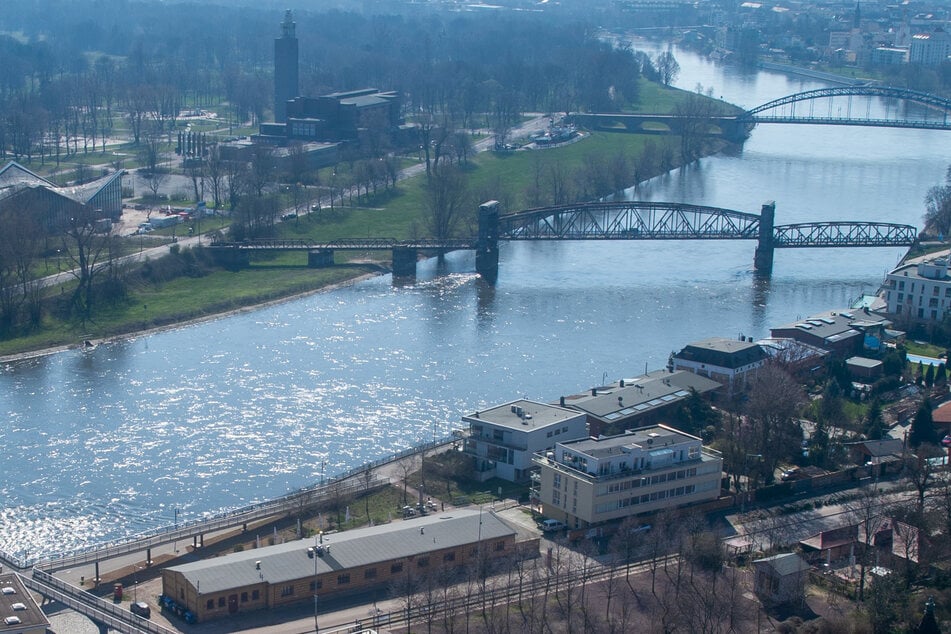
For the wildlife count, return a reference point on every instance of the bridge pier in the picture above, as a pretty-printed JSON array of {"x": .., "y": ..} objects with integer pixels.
[
  {"x": 487, "y": 247},
  {"x": 321, "y": 258},
  {"x": 404, "y": 262},
  {"x": 763, "y": 257}
]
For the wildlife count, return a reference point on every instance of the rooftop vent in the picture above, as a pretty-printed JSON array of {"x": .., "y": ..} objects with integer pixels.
[{"x": 257, "y": 565}]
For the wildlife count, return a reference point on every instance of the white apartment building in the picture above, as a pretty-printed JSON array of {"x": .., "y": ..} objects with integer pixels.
[
  {"x": 587, "y": 482},
  {"x": 504, "y": 439},
  {"x": 930, "y": 49},
  {"x": 919, "y": 291}
]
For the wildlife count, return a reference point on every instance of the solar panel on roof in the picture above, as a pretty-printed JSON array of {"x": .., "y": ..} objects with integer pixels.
[
  {"x": 655, "y": 402},
  {"x": 668, "y": 398},
  {"x": 612, "y": 416},
  {"x": 627, "y": 411},
  {"x": 641, "y": 406},
  {"x": 681, "y": 393}
]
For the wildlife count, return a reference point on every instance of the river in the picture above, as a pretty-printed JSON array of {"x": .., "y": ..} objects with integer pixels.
[{"x": 133, "y": 435}]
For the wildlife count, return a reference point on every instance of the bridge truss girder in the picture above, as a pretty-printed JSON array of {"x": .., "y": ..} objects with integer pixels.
[
  {"x": 629, "y": 220},
  {"x": 923, "y": 98},
  {"x": 843, "y": 234}
]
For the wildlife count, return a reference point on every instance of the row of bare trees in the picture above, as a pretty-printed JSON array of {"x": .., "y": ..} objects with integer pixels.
[{"x": 673, "y": 578}]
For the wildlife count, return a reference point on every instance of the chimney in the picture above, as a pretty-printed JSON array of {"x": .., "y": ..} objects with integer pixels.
[
  {"x": 622, "y": 383},
  {"x": 594, "y": 391},
  {"x": 561, "y": 401}
]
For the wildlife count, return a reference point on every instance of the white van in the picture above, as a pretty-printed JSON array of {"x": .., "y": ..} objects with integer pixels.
[{"x": 550, "y": 526}]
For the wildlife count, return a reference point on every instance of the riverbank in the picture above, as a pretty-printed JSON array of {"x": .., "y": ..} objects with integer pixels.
[
  {"x": 141, "y": 332},
  {"x": 831, "y": 78}
]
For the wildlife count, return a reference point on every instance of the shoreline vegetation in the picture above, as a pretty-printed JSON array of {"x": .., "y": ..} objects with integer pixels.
[{"x": 519, "y": 179}]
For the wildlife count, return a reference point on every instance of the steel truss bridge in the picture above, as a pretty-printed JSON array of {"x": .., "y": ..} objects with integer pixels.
[
  {"x": 628, "y": 220},
  {"x": 675, "y": 221},
  {"x": 852, "y": 105},
  {"x": 842, "y": 105}
]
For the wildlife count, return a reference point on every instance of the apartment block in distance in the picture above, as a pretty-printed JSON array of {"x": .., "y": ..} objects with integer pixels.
[{"x": 588, "y": 482}]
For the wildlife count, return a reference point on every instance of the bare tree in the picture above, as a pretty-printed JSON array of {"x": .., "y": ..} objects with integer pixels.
[
  {"x": 773, "y": 407},
  {"x": 920, "y": 469},
  {"x": 668, "y": 68},
  {"x": 90, "y": 252},
  {"x": 446, "y": 200},
  {"x": 215, "y": 174},
  {"x": 868, "y": 514},
  {"x": 938, "y": 207},
  {"x": 20, "y": 237}
]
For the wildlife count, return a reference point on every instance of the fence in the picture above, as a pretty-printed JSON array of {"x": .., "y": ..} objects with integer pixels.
[{"x": 97, "y": 609}]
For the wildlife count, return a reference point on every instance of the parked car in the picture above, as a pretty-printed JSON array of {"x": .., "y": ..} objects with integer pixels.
[
  {"x": 550, "y": 526},
  {"x": 790, "y": 474},
  {"x": 141, "y": 608}
]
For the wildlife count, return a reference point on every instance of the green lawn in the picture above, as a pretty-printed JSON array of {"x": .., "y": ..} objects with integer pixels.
[{"x": 180, "y": 300}]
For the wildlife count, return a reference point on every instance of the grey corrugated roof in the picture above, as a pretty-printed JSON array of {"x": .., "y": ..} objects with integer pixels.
[
  {"x": 641, "y": 394},
  {"x": 343, "y": 551},
  {"x": 785, "y": 564}
]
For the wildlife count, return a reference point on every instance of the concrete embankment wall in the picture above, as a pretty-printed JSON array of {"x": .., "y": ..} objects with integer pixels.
[{"x": 832, "y": 78}]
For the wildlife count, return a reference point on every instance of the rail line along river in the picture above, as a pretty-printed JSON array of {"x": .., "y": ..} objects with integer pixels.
[{"x": 120, "y": 440}]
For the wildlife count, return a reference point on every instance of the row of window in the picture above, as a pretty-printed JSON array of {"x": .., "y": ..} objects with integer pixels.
[
  {"x": 255, "y": 596},
  {"x": 624, "y": 503},
  {"x": 624, "y": 485}
]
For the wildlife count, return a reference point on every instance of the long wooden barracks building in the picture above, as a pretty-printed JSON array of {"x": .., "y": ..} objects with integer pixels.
[{"x": 336, "y": 564}]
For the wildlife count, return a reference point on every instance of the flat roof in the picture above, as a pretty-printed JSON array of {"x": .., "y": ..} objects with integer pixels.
[
  {"x": 835, "y": 325},
  {"x": 16, "y": 600},
  {"x": 534, "y": 415},
  {"x": 863, "y": 362},
  {"x": 342, "y": 551},
  {"x": 722, "y": 352},
  {"x": 650, "y": 438},
  {"x": 640, "y": 395}
]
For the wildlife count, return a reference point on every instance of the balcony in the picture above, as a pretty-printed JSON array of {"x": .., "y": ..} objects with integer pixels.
[{"x": 542, "y": 460}]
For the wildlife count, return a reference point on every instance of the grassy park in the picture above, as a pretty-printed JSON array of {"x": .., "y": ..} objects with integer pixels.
[{"x": 182, "y": 285}]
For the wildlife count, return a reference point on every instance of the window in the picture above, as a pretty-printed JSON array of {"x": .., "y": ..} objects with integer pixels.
[
  {"x": 556, "y": 482},
  {"x": 316, "y": 585},
  {"x": 395, "y": 568},
  {"x": 286, "y": 591},
  {"x": 449, "y": 557},
  {"x": 343, "y": 579},
  {"x": 901, "y": 285},
  {"x": 255, "y": 595},
  {"x": 499, "y": 546},
  {"x": 556, "y": 497},
  {"x": 422, "y": 562},
  {"x": 244, "y": 597},
  {"x": 210, "y": 605},
  {"x": 369, "y": 573},
  {"x": 221, "y": 601}
]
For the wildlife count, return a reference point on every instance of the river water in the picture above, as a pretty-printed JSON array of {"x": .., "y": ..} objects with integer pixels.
[{"x": 106, "y": 444}]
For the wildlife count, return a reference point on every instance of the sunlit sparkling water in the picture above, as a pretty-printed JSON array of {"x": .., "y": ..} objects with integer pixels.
[{"x": 107, "y": 444}]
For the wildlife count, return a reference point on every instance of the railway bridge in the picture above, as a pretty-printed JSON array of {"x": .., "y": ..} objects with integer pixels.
[{"x": 624, "y": 220}]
